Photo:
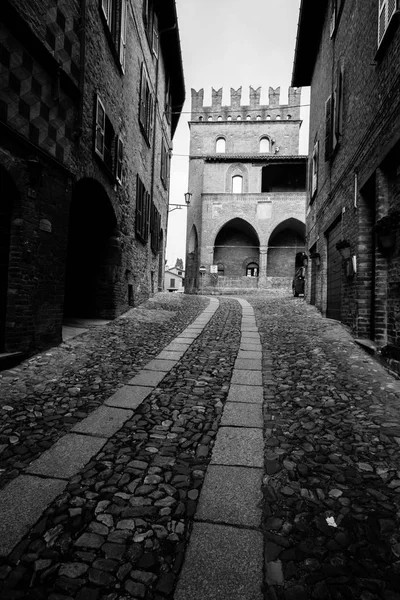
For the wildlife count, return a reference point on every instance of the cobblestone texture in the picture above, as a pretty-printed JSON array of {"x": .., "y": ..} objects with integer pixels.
[
  {"x": 332, "y": 483},
  {"x": 331, "y": 487},
  {"x": 44, "y": 397},
  {"x": 121, "y": 527}
]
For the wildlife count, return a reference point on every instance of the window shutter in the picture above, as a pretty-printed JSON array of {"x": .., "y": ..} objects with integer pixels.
[
  {"x": 100, "y": 128},
  {"x": 314, "y": 169},
  {"x": 338, "y": 104},
  {"x": 122, "y": 38},
  {"x": 328, "y": 128},
  {"x": 106, "y": 7},
  {"x": 138, "y": 206},
  {"x": 142, "y": 101},
  {"x": 119, "y": 159},
  {"x": 155, "y": 35}
]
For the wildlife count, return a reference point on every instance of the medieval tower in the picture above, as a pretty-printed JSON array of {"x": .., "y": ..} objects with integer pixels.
[{"x": 246, "y": 218}]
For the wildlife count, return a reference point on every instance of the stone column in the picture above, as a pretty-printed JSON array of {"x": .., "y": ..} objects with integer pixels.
[{"x": 262, "y": 277}]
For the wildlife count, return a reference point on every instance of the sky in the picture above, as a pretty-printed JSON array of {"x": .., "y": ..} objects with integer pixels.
[{"x": 229, "y": 43}]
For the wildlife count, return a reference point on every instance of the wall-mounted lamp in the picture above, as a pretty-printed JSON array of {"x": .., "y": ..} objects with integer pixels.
[
  {"x": 316, "y": 257},
  {"x": 188, "y": 195},
  {"x": 35, "y": 169},
  {"x": 344, "y": 249},
  {"x": 305, "y": 261}
]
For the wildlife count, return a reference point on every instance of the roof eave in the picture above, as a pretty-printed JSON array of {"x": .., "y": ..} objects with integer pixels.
[{"x": 309, "y": 30}]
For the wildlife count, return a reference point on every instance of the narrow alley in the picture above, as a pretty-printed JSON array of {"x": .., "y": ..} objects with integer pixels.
[{"x": 201, "y": 448}]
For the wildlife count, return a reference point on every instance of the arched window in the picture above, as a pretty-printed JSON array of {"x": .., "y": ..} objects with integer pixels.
[
  {"x": 265, "y": 145},
  {"x": 210, "y": 118},
  {"x": 200, "y": 118},
  {"x": 220, "y": 145},
  {"x": 248, "y": 118},
  {"x": 289, "y": 117},
  {"x": 278, "y": 117},
  {"x": 237, "y": 184},
  {"x": 219, "y": 118},
  {"x": 268, "y": 117},
  {"x": 229, "y": 118},
  {"x": 239, "y": 118},
  {"x": 252, "y": 269},
  {"x": 258, "y": 118},
  {"x": 221, "y": 269}
]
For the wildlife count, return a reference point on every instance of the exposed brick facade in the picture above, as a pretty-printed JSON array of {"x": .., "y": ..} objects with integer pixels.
[
  {"x": 67, "y": 197},
  {"x": 235, "y": 229},
  {"x": 359, "y": 182}
]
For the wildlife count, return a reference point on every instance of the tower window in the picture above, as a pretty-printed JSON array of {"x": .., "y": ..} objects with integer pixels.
[
  {"x": 239, "y": 118},
  {"x": 219, "y": 118},
  {"x": 210, "y": 118},
  {"x": 248, "y": 118},
  {"x": 237, "y": 184},
  {"x": 278, "y": 117},
  {"x": 258, "y": 118},
  {"x": 229, "y": 118},
  {"x": 265, "y": 145},
  {"x": 220, "y": 145},
  {"x": 268, "y": 117}
]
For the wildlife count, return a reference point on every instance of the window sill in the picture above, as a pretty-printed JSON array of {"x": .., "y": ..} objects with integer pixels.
[{"x": 388, "y": 36}]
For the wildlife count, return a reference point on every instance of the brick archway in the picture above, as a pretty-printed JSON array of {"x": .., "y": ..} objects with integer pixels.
[
  {"x": 236, "y": 245},
  {"x": 286, "y": 240},
  {"x": 93, "y": 253}
]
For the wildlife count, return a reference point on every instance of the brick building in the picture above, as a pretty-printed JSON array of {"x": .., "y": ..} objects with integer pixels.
[
  {"x": 349, "y": 52},
  {"x": 245, "y": 221},
  {"x": 86, "y": 90}
]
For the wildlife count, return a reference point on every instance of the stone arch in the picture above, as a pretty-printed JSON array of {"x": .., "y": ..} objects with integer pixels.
[
  {"x": 236, "y": 245},
  {"x": 192, "y": 261},
  {"x": 93, "y": 255},
  {"x": 237, "y": 169},
  {"x": 9, "y": 197},
  {"x": 285, "y": 242}
]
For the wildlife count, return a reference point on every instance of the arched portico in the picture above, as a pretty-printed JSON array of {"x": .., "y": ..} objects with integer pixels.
[
  {"x": 237, "y": 248},
  {"x": 192, "y": 262},
  {"x": 286, "y": 240},
  {"x": 93, "y": 253}
]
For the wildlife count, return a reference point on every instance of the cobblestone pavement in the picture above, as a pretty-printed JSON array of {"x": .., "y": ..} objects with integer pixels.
[
  {"x": 44, "y": 397},
  {"x": 331, "y": 483}
]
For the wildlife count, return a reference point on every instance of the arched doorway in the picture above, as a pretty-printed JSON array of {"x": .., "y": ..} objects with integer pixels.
[
  {"x": 93, "y": 253},
  {"x": 237, "y": 246},
  {"x": 192, "y": 262},
  {"x": 8, "y": 195},
  {"x": 285, "y": 242}
]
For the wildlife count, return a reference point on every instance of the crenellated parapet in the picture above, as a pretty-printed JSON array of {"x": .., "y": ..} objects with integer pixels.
[{"x": 251, "y": 112}]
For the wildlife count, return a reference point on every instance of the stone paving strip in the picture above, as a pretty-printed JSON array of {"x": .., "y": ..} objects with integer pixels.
[
  {"x": 45, "y": 396},
  {"x": 120, "y": 527},
  {"x": 224, "y": 560},
  {"x": 73, "y": 451}
]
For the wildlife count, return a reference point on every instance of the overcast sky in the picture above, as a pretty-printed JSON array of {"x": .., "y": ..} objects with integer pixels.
[{"x": 229, "y": 43}]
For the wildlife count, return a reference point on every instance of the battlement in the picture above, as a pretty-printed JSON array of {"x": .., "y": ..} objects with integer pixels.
[{"x": 252, "y": 112}]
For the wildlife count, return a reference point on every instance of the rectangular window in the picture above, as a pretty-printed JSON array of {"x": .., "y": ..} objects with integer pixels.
[
  {"x": 119, "y": 159},
  {"x": 142, "y": 213},
  {"x": 172, "y": 282},
  {"x": 109, "y": 143},
  {"x": 387, "y": 9},
  {"x": 314, "y": 171},
  {"x": 146, "y": 106},
  {"x": 115, "y": 15},
  {"x": 338, "y": 100},
  {"x": 100, "y": 128}
]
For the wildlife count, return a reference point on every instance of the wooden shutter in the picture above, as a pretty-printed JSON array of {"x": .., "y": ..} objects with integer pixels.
[
  {"x": 142, "y": 100},
  {"x": 328, "y": 128},
  {"x": 119, "y": 159},
  {"x": 122, "y": 37},
  {"x": 100, "y": 128},
  {"x": 314, "y": 169},
  {"x": 338, "y": 104},
  {"x": 155, "y": 35},
  {"x": 139, "y": 207}
]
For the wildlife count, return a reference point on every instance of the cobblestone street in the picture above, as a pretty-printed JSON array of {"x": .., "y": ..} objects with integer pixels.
[{"x": 199, "y": 449}]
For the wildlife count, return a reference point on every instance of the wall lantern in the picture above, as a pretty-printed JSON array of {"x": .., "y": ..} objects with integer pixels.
[
  {"x": 344, "y": 248},
  {"x": 305, "y": 261},
  {"x": 188, "y": 195},
  {"x": 316, "y": 257},
  {"x": 35, "y": 169}
]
